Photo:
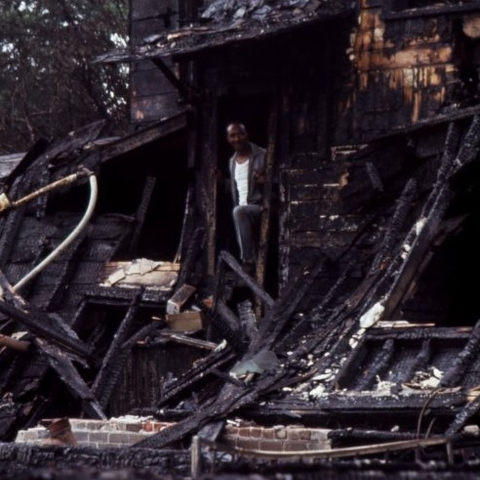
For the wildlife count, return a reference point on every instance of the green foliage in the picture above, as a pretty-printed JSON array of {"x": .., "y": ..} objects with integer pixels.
[{"x": 49, "y": 85}]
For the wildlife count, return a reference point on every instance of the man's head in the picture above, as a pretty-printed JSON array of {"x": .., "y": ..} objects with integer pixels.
[{"x": 237, "y": 137}]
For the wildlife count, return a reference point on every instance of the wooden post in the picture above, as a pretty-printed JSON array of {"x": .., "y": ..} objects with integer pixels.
[
  {"x": 196, "y": 465},
  {"x": 210, "y": 190},
  {"x": 267, "y": 196}
]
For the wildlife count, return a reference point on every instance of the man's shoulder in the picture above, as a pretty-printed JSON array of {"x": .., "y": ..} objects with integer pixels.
[{"x": 257, "y": 150}]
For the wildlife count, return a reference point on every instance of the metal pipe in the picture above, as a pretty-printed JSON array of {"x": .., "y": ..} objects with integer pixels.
[
  {"x": 73, "y": 235},
  {"x": 6, "y": 204}
]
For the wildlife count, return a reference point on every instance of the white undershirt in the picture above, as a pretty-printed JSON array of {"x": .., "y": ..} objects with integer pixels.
[{"x": 241, "y": 180}]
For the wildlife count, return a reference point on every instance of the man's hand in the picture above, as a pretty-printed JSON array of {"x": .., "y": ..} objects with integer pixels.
[{"x": 259, "y": 176}]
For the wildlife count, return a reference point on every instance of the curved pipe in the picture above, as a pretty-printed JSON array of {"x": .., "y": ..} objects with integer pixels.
[{"x": 60, "y": 248}]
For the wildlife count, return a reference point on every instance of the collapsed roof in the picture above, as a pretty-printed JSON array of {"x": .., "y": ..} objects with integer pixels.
[
  {"x": 226, "y": 23},
  {"x": 339, "y": 361}
]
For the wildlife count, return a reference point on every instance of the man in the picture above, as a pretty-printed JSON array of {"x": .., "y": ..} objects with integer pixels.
[{"x": 247, "y": 175}]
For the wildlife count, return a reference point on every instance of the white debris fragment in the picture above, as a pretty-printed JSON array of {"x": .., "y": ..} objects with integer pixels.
[
  {"x": 317, "y": 391},
  {"x": 327, "y": 375},
  {"x": 425, "y": 380},
  {"x": 384, "y": 386},
  {"x": 223, "y": 344},
  {"x": 369, "y": 318},
  {"x": 420, "y": 224}
]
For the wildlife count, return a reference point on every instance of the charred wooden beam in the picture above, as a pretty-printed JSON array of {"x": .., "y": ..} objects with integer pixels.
[
  {"x": 396, "y": 223},
  {"x": 277, "y": 317},
  {"x": 471, "y": 409},
  {"x": 10, "y": 228},
  {"x": 32, "y": 155},
  {"x": 358, "y": 434},
  {"x": 190, "y": 378},
  {"x": 228, "y": 325},
  {"x": 374, "y": 177},
  {"x": 20, "y": 457},
  {"x": 195, "y": 245},
  {"x": 187, "y": 219},
  {"x": 42, "y": 324},
  {"x": 419, "y": 364},
  {"x": 358, "y": 403},
  {"x": 454, "y": 375},
  {"x": 185, "y": 340},
  {"x": 267, "y": 195},
  {"x": 459, "y": 334},
  {"x": 130, "y": 142},
  {"x": 209, "y": 187},
  {"x": 186, "y": 91},
  {"x": 64, "y": 274},
  {"x": 381, "y": 363},
  {"x": 70, "y": 376},
  {"x": 141, "y": 334},
  {"x": 113, "y": 362},
  {"x": 141, "y": 213},
  {"x": 230, "y": 260}
]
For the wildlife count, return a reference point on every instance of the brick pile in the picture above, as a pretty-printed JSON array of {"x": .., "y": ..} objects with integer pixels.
[{"x": 126, "y": 431}]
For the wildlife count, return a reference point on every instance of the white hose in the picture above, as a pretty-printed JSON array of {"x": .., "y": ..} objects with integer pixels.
[{"x": 69, "y": 239}]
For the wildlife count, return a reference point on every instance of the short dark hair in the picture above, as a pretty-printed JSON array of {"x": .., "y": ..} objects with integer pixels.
[{"x": 240, "y": 124}]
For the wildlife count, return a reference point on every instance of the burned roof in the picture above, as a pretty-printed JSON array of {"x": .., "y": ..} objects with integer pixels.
[{"x": 231, "y": 22}]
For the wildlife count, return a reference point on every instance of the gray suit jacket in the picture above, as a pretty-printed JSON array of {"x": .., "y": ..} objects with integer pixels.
[{"x": 255, "y": 190}]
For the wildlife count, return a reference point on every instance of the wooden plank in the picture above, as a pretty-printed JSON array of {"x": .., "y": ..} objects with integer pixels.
[
  {"x": 210, "y": 155},
  {"x": 267, "y": 196},
  {"x": 130, "y": 142},
  {"x": 186, "y": 321}
]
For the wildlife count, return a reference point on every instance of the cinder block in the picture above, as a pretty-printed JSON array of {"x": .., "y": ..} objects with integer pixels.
[
  {"x": 271, "y": 445},
  {"x": 298, "y": 433},
  {"x": 320, "y": 435},
  {"x": 99, "y": 437},
  {"x": 82, "y": 436},
  {"x": 291, "y": 446}
]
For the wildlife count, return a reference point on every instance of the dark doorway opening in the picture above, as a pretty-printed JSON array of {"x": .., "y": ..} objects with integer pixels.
[{"x": 253, "y": 110}]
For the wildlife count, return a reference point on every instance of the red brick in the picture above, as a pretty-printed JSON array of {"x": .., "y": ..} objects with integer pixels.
[
  {"x": 249, "y": 444},
  {"x": 244, "y": 432},
  {"x": 268, "y": 433},
  {"x": 256, "y": 432}
]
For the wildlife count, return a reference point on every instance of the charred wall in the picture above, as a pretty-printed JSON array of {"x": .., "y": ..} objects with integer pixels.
[
  {"x": 408, "y": 63},
  {"x": 152, "y": 96}
]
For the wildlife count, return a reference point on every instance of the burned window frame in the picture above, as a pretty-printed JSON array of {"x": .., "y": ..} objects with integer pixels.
[{"x": 395, "y": 9}]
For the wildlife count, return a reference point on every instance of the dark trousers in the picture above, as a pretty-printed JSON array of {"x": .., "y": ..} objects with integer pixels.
[{"x": 247, "y": 227}]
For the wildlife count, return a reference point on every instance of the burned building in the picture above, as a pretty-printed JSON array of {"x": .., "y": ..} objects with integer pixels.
[{"x": 121, "y": 289}]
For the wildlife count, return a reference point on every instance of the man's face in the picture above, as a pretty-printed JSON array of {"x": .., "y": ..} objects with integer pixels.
[{"x": 237, "y": 137}]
